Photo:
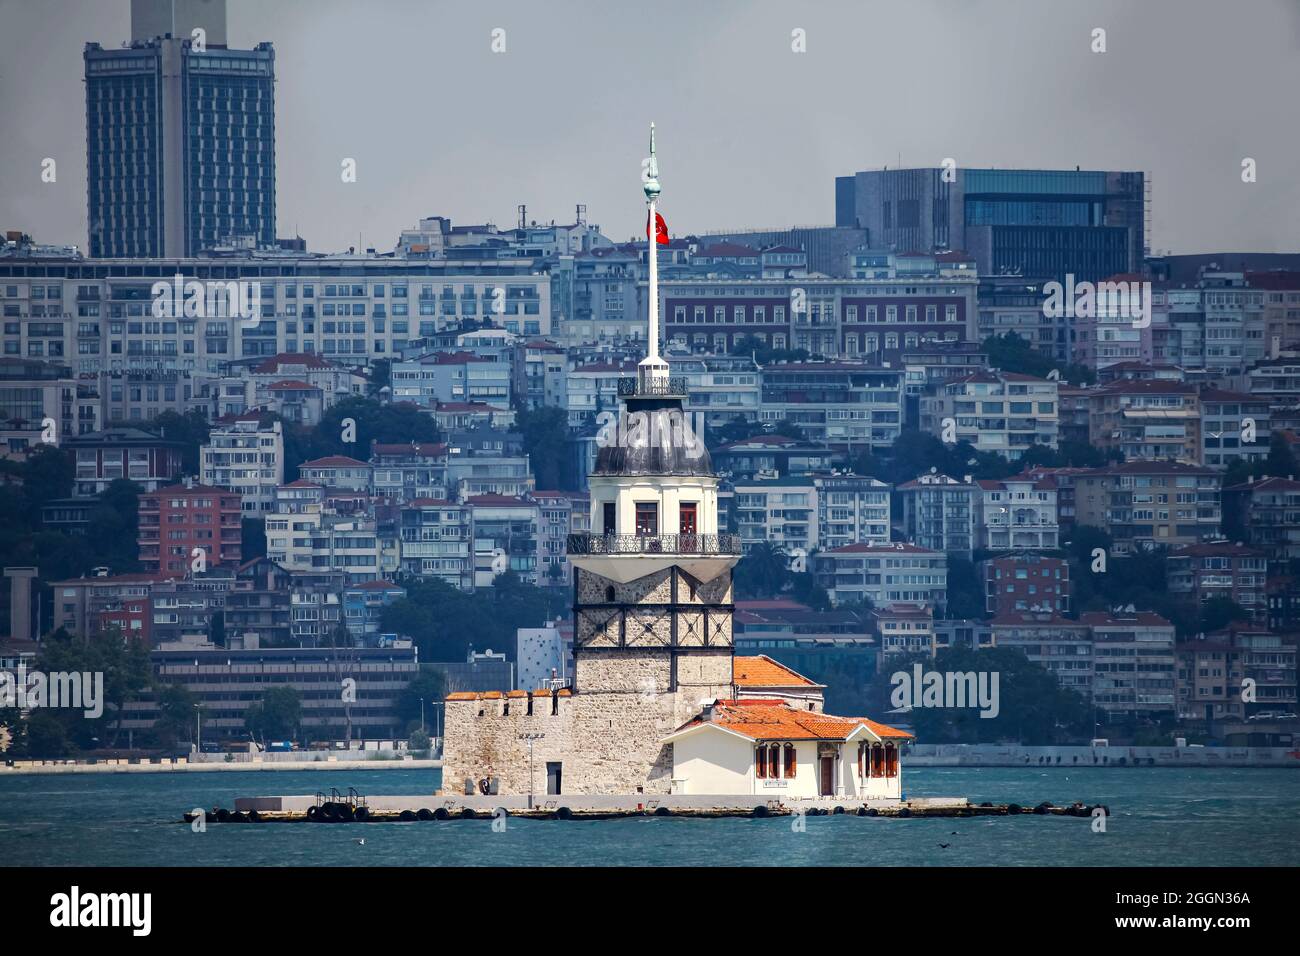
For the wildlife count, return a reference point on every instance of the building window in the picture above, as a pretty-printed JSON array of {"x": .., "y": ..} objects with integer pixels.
[{"x": 647, "y": 518}]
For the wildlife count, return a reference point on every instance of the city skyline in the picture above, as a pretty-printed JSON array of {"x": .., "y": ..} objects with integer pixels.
[{"x": 580, "y": 149}]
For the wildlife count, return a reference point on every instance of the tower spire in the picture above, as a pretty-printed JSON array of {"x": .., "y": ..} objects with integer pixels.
[{"x": 653, "y": 371}]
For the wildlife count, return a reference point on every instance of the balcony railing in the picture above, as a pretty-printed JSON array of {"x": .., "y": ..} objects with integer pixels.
[
  {"x": 667, "y": 387},
  {"x": 725, "y": 544}
]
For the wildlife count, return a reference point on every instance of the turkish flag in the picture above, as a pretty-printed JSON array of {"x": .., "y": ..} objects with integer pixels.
[{"x": 661, "y": 228}]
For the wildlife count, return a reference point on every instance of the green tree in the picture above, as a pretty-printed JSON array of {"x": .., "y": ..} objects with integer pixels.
[
  {"x": 428, "y": 686},
  {"x": 763, "y": 572},
  {"x": 545, "y": 432},
  {"x": 276, "y": 716},
  {"x": 191, "y": 429},
  {"x": 176, "y": 714}
]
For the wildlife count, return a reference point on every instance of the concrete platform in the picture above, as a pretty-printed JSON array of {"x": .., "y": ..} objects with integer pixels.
[{"x": 318, "y": 808}]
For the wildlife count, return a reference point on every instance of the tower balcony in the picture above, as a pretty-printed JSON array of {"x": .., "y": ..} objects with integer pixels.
[
  {"x": 661, "y": 544},
  {"x": 647, "y": 387}
]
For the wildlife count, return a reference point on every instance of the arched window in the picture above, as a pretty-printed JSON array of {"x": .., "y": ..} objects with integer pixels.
[
  {"x": 789, "y": 761},
  {"x": 774, "y": 759},
  {"x": 760, "y": 762},
  {"x": 609, "y": 594},
  {"x": 877, "y": 760},
  {"x": 891, "y": 760},
  {"x": 862, "y": 750}
]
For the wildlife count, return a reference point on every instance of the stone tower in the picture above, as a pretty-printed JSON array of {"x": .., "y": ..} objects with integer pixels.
[{"x": 652, "y": 605}]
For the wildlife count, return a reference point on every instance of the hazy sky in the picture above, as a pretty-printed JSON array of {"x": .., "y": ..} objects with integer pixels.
[{"x": 750, "y": 133}]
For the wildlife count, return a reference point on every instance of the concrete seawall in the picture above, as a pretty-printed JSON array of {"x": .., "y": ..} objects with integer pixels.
[
  {"x": 1004, "y": 755},
  {"x": 26, "y": 767}
]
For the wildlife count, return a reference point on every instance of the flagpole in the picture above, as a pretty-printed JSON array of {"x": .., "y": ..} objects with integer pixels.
[{"x": 653, "y": 369}]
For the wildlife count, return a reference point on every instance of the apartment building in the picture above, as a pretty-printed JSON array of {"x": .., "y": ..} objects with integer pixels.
[
  {"x": 1144, "y": 503},
  {"x": 939, "y": 512},
  {"x": 437, "y": 541},
  {"x": 189, "y": 527},
  {"x": 35, "y": 393},
  {"x": 1234, "y": 427},
  {"x": 1000, "y": 412},
  {"x": 338, "y": 472},
  {"x": 1219, "y": 569},
  {"x": 363, "y": 609},
  {"x": 440, "y": 377},
  {"x": 851, "y": 509},
  {"x": 721, "y": 388},
  {"x": 1152, "y": 419},
  {"x": 883, "y": 574},
  {"x": 560, "y": 513},
  {"x": 408, "y": 472},
  {"x": 121, "y": 452},
  {"x": 1270, "y": 511},
  {"x": 1026, "y": 583},
  {"x": 903, "y": 629},
  {"x": 779, "y": 511},
  {"x": 1017, "y": 514},
  {"x": 1133, "y": 664},
  {"x": 1055, "y": 643},
  {"x": 246, "y": 457},
  {"x": 506, "y": 537},
  {"x": 843, "y": 404}
]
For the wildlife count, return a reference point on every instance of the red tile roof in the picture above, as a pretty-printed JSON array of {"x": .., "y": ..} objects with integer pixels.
[
  {"x": 306, "y": 359},
  {"x": 777, "y": 720},
  {"x": 762, "y": 671}
]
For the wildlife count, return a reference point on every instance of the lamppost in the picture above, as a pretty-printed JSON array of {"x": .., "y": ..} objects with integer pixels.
[
  {"x": 421, "y": 715},
  {"x": 198, "y": 729},
  {"x": 530, "y": 738}
]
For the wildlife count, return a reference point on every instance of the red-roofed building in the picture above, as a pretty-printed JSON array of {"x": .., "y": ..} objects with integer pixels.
[
  {"x": 768, "y": 747},
  {"x": 761, "y": 676},
  {"x": 337, "y": 472}
]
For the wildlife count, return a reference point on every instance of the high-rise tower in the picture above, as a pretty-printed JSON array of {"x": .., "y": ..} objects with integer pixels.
[{"x": 180, "y": 136}]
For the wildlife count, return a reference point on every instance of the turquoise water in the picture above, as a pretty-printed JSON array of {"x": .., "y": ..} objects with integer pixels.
[{"x": 1160, "y": 817}]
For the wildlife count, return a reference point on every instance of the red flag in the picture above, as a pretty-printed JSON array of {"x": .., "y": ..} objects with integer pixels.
[{"x": 661, "y": 228}]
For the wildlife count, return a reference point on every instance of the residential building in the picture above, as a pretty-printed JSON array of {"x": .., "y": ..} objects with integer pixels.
[
  {"x": 772, "y": 455},
  {"x": 842, "y": 404},
  {"x": 851, "y": 509},
  {"x": 1270, "y": 511},
  {"x": 1021, "y": 583},
  {"x": 1133, "y": 665},
  {"x": 1234, "y": 427},
  {"x": 1151, "y": 419},
  {"x": 363, "y": 609},
  {"x": 720, "y": 388},
  {"x": 118, "y": 452},
  {"x": 506, "y": 537},
  {"x": 246, "y": 457},
  {"x": 1055, "y": 643},
  {"x": 1017, "y": 514},
  {"x": 1145, "y": 503},
  {"x": 1219, "y": 569},
  {"x": 779, "y": 511},
  {"x": 437, "y": 541},
  {"x": 338, "y": 472},
  {"x": 883, "y": 574},
  {"x": 189, "y": 527},
  {"x": 440, "y": 377},
  {"x": 560, "y": 514},
  {"x": 1001, "y": 412},
  {"x": 903, "y": 629},
  {"x": 939, "y": 513},
  {"x": 409, "y": 471}
]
